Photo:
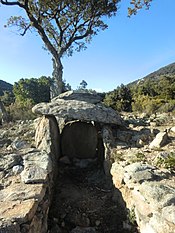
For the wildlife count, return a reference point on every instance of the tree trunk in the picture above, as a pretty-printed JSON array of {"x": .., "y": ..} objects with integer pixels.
[
  {"x": 57, "y": 86},
  {"x": 5, "y": 117}
]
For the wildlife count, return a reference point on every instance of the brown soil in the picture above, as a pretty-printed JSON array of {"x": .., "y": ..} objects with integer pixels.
[{"x": 84, "y": 197}]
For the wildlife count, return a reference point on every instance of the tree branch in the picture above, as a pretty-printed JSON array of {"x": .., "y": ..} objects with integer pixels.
[
  {"x": 12, "y": 3},
  {"x": 25, "y": 30}
]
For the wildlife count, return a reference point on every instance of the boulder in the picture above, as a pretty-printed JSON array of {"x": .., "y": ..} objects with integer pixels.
[
  {"x": 74, "y": 109},
  {"x": 160, "y": 140}
]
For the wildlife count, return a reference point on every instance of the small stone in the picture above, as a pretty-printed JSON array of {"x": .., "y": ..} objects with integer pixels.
[
  {"x": 17, "y": 169},
  {"x": 160, "y": 140},
  {"x": 97, "y": 223}
]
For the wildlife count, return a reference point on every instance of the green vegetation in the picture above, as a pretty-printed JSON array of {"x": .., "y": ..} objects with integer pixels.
[
  {"x": 132, "y": 215},
  {"x": 139, "y": 157},
  {"x": 4, "y": 86},
  {"x": 33, "y": 90},
  {"x": 116, "y": 156},
  {"x": 167, "y": 162},
  {"x": 120, "y": 99},
  {"x": 152, "y": 94},
  {"x": 26, "y": 93},
  {"x": 137, "y": 5}
]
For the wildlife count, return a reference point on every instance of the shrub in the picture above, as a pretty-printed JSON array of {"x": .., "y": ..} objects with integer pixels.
[{"x": 21, "y": 111}]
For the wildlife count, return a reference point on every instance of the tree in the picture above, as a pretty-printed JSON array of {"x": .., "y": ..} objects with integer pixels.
[
  {"x": 120, "y": 99},
  {"x": 83, "y": 85},
  {"x": 137, "y": 5},
  {"x": 5, "y": 117},
  {"x": 64, "y": 26},
  {"x": 8, "y": 98},
  {"x": 35, "y": 90}
]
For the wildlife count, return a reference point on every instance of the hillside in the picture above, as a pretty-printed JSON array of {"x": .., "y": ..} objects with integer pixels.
[
  {"x": 153, "y": 93},
  {"x": 4, "y": 86},
  {"x": 164, "y": 71}
]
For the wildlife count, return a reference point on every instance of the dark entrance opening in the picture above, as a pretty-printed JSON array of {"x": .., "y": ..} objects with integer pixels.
[{"x": 82, "y": 141}]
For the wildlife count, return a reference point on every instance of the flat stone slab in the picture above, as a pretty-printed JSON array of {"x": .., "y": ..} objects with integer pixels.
[
  {"x": 78, "y": 110},
  {"x": 80, "y": 96}
]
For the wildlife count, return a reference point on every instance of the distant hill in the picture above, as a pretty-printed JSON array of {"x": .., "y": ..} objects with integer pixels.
[
  {"x": 166, "y": 70},
  {"x": 157, "y": 75},
  {"x": 4, "y": 86},
  {"x": 153, "y": 93}
]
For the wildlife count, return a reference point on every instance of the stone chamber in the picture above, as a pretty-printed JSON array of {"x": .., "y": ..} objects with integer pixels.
[{"x": 77, "y": 129}]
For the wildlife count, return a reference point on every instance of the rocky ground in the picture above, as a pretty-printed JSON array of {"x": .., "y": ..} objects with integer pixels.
[
  {"x": 147, "y": 139},
  {"x": 84, "y": 198},
  {"x": 84, "y": 202}
]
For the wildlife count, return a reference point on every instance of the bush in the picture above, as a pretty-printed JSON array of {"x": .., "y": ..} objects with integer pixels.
[
  {"x": 167, "y": 162},
  {"x": 120, "y": 99},
  {"x": 21, "y": 111},
  {"x": 151, "y": 105}
]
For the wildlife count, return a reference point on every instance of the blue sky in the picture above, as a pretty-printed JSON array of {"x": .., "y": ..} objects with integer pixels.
[{"x": 128, "y": 50}]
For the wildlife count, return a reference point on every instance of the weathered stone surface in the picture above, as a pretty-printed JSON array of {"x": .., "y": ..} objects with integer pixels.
[
  {"x": 47, "y": 135},
  {"x": 137, "y": 173},
  {"x": 21, "y": 191},
  {"x": 18, "y": 144},
  {"x": 17, "y": 169},
  {"x": 160, "y": 140},
  {"x": 9, "y": 160},
  {"x": 153, "y": 201},
  {"x": 78, "y": 110},
  {"x": 168, "y": 213},
  {"x": 37, "y": 166},
  {"x": 18, "y": 211},
  {"x": 173, "y": 129},
  {"x": 157, "y": 194},
  {"x": 24, "y": 206},
  {"x": 75, "y": 95}
]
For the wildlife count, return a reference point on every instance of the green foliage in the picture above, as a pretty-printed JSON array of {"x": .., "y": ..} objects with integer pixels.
[
  {"x": 83, "y": 85},
  {"x": 132, "y": 216},
  {"x": 66, "y": 86},
  {"x": 120, "y": 99},
  {"x": 33, "y": 90},
  {"x": 4, "y": 86},
  {"x": 64, "y": 26},
  {"x": 146, "y": 104},
  {"x": 21, "y": 110},
  {"x": 139, "y": 157},
  {"x": 8, "y": 98},
  {"x": 167, "y": 162},
  {"x": 137, "y": 5},
  {"x": 155, "y": 92}
]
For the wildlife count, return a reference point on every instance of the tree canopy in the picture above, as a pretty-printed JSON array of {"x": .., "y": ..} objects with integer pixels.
[
  {"x": 34, "y": 90},
  {"x": 64, "y": 26},
  {"x": 137, "y": 5}
]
